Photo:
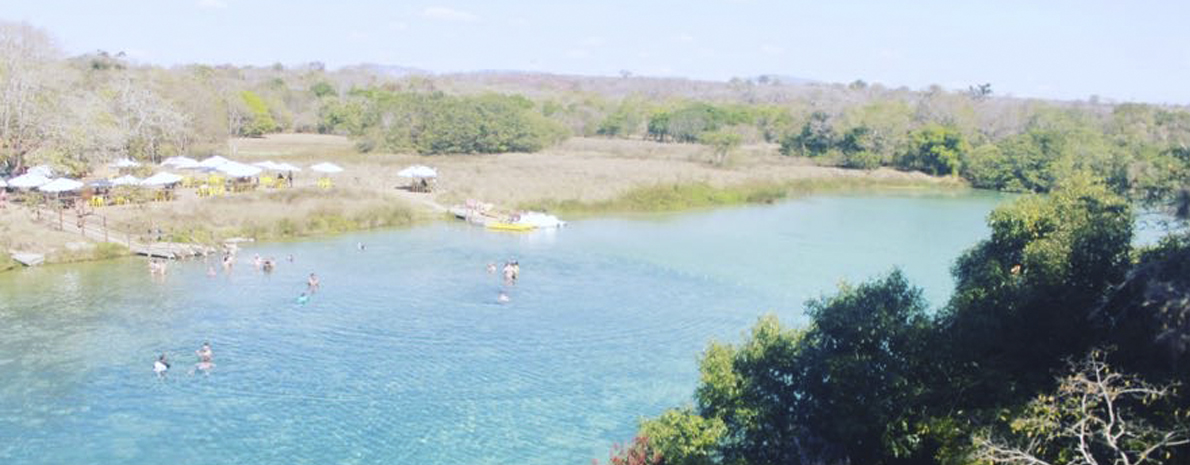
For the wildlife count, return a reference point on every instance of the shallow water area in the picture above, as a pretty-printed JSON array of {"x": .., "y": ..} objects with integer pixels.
[{"x": 404, "y": 355}]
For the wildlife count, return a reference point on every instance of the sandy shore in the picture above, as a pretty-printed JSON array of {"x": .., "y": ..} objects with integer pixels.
[{"x": 367, "y": 194}]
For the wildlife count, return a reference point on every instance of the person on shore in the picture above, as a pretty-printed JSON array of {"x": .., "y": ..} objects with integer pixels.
[
  {"x": 312, "y": 283},
  {"x": 160, "y": 366}
]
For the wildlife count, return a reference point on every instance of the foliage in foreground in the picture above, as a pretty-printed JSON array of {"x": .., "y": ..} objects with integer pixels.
[{"x": 877, "y": 379}]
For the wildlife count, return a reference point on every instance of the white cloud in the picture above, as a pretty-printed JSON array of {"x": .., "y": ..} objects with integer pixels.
[
  {"x": 442, "y": 13},
  {"x": 772, "y": 49},
  {"x": 212, "y": 4}
]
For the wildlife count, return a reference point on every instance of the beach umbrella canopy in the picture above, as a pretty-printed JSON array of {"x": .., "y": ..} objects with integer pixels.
[
  {"x": 161, "y": 179},
  {"x": 126, "y": 180},
  {"x": 44, "y": 170},
  {"x": 100, "y": 183},
  {"x": 60, "y": 185},
  {"x": 418, "y": 171},
  {"x": 326, "y": 167},
  {"x": 213, "y": 162},
  {"x": 238, "y": 170},
  {"x": 124, "y": 163},
  {"x": 287, "y": 167},
  {"x": 179, "y": 161},
  {"x": 268, "y": 165},
  {"x": 28, "y": 181}
]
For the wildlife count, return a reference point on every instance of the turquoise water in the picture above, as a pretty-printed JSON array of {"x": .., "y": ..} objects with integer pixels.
[{"x": 405, "y": 357}]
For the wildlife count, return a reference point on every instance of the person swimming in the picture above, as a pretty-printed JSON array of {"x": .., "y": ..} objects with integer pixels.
[
  {"x": 509, "y": 274},
  {"x": 491, "y": 267},
  {"x": 503, "y": 298},
  {"x": 257, "y": 262},
  {"x": 360, "y": 245},
  {"x": 206, "y": 359},
  {"x": 211, "y": 271},
  {"x": 269, "y": 264},
  {"x": 312, "y": 283},
  {"x": 302, "y": 299},
  {"x": 160, "y": 366}
]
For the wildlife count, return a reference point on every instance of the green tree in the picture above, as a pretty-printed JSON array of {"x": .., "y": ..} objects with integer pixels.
[
  {"x": 722, "y": 142},
  {"x": 934, "y": 149},
  {"x": 816, "y": 137},
  {"x": 683, "y": 437},
  {"x": 260, "y": 120}
]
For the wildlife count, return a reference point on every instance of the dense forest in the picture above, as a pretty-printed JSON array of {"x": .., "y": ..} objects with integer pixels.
[
  {"x": 1062, "y": 344},
  {"x": 79, "y": 110}
]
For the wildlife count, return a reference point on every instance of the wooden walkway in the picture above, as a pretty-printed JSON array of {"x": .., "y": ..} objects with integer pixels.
[{"x": 95, "y": 228}]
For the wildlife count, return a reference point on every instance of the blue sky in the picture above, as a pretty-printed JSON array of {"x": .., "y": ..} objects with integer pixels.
[{"x": 1123, "y": 50}]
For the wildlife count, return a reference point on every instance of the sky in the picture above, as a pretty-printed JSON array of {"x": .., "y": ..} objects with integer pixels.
[{"x": 1118, "y": 50}]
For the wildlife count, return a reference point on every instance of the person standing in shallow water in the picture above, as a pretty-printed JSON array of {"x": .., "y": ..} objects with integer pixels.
[
  {"x": 160, "y": 366},
  {"x": 312, "y": 284},
  {"x": 206, "y": 359}
]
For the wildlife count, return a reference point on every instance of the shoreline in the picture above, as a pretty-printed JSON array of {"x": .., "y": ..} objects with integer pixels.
[{"x": 581, "y": 178}]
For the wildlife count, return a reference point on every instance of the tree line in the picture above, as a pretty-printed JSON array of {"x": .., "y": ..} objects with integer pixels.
[{"x": 1061, "y": 344}]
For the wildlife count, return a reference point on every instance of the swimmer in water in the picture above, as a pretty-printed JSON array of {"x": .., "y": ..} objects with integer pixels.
[
  {"x": 211, "y": 271},
  {"x": 302, "y": 299},
  {"x": 360, "y": 245},
  {"x": 205, "y": 359},
  {"x": 269, "y": 264},
  {"x": 290, "y": 258},
  {"x": 491, "y": 267},
  {"x": 256, "y": 261},
  {"x": 503, "y": 298},
  {"x": 312, "y": 283},
  {"x": 160, "y": 366}
]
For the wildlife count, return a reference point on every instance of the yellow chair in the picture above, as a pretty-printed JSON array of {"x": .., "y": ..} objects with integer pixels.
[
  {"x": 325, "y": 183},
  {"x": 97, "y": 201}
]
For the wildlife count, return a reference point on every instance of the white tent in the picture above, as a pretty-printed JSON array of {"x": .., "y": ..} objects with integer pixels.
[
  {"x": 287, "y": 167},
  {"x": 124, "y": 163},
  {"x": 238, "y": 170},
  {"x": 126, "y": 180},
  {"x": 161, "y": 179},
  {"x": 213, "y": 162},
  {"x": 44, "y": 170},
  {"x": 418, "y": 171},
  {"x": 325, "y": 167},
  {"x": 190, "y": 165},
  {"x": 28, "y": 181},
  {"x": 60, "y": 185},
  {"x": 179, "y": 161},
  {"x": 268, "y": 165}
]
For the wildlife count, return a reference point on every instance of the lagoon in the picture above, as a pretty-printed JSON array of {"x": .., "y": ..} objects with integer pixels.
[{"x": 404, "y": 356}]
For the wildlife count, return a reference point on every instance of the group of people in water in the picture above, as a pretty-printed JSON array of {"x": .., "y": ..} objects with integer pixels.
[
  {"x": 206, "y": 362},
  {"x": 511, "y": 271}
]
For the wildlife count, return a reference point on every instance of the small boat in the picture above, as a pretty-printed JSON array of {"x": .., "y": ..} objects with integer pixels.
[{"x": 501, "y": 226}]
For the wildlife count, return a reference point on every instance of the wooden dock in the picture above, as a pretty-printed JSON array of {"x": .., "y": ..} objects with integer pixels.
[{"x": 170, "y": 250}]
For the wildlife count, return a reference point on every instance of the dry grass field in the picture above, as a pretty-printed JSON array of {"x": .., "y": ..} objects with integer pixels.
[{"x": 369, "y": 194}]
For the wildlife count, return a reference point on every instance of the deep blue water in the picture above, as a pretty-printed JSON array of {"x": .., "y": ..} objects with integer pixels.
[{"x": 405, "y": 357}]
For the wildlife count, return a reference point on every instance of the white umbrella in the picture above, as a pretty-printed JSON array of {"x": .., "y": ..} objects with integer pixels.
[
  {"x": 268, "y": 165},
  {"x": 179, "y": 161},
  {"x": 161, "y": 179},
  {"x": 44, "y": 170},
  {"x": 325, "y": 167},
  {"x": 418, "y": 171},
  {"x": 126, "y": 180},
  {"x": 124, "y": 163},
  {"x": 287, "y": 167},
  {"x": 213, "y": 162},
  {"x": 238, "y": 170},
  {"x": 28, "y": 181},
  {"x": 60, "y": 185}
]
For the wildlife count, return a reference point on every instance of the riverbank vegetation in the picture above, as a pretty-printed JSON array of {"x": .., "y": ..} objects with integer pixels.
[
  {"x": 1061, "y": 344},
  {"x": 687, "y": 196},
  {"x": 79, "y": 112}
]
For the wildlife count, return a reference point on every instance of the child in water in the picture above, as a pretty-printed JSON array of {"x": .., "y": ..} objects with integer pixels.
[
  {"x": 160, "y": 366},
  {"x": 302, "y": 299}
]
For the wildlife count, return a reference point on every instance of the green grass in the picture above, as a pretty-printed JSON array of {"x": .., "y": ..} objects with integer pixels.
[
  {"x": 325, "y": 222},
  {"x": 677, "y": 197}
]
